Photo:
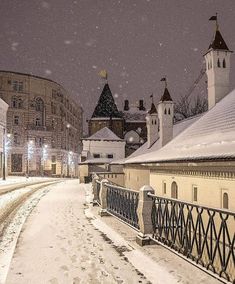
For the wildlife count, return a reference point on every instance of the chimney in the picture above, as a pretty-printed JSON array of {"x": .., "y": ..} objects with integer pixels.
[
  {"x": 141, "y": 105},
  {"x": 126, "y": 105}
]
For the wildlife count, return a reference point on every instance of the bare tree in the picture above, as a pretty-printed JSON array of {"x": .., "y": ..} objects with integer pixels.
[{"x": 186, "y": 107}]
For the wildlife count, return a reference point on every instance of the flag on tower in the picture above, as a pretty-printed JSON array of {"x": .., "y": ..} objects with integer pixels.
[
  {"x": 163, "y": 79},
  {"x": 213, "y": 18},
  {"x": 103, "y": 74}
]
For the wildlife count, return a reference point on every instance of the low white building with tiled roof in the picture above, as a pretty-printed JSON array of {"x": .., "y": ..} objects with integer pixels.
[
  {"x": 99, "y": 150},
  {"x": 193, "y": 160}
]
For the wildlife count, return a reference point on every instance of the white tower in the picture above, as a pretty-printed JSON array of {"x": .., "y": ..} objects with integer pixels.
[
  {"x": 217, "y": 69},
  {"x": 165, "y": 114},
  {"x": 152, "y": 125}
]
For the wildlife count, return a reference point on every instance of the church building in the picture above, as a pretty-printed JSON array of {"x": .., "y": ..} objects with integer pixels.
[
  {"x": 194, "y": 159},
  {"x": 128, "y": 124}
]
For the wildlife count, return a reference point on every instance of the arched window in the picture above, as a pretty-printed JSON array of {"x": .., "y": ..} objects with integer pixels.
[
  {"x": 169, "y": 111},
  {"x": 224, "y": 63},
  {"x": 210, "y": 64},
  {"x": 20, "y": 103},
  {"x": 14, "y": 102},
  {"x": 174, "y": 190},
  {"x": 39, "y": 104},
  {"x": 218, "y": 63},
  {"x": 225, "y": 200},
  {"x": 38, "y": 122},
  {"x": 155, "y": 122},
  {"x": 165, "y": 111}
]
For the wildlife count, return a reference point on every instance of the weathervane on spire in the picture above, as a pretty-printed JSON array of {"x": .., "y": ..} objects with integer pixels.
[
  {"x": 215, "y": 18},
  {"x": 104, "y": 75},
  {"x": 164, "y": 80},
  {"x": 152, "y": 97}
]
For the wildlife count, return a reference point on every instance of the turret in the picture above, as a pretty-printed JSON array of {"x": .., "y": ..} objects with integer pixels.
[
  {"x": 165, "y": 115},
  {"x": 152, "y": 125},
  {"x": 217, "y": 68}
]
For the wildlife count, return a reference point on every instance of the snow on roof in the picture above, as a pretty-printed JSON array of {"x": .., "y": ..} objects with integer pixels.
[
  {"x": 136, "y": 116},
  {"x": 177, "y": 128},
  {"x": 97, "y": 161},
  {"x": 104, "y": 134},
  {"x": 212, "y": 136}
]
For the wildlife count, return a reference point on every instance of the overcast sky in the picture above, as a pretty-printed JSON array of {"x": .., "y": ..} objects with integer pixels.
[{"x": 136, "y": 41}]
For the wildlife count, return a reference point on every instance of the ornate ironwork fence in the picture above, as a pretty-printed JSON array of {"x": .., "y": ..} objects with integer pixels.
[
  {"x": 203, "y": 234},
  {"x": 123, "y": 203}
]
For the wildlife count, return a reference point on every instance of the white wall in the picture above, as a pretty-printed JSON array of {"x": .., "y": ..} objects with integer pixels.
[{"x": 105, "y": 147}]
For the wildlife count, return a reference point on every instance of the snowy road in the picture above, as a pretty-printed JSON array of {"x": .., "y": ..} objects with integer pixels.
[
  {"x": 60, "y": 245},
  {"x": 64, "y": 241}
]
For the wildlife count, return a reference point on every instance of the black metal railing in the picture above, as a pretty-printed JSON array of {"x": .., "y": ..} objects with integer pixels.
[
  {"x": 203, "y": 234},
  {"x": 98, "y": 186},
  {"x": 123, "y": 203}
]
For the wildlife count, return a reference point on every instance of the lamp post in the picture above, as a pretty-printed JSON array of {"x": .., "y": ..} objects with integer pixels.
[
  {"x": 5, "y": 147},
  {"x": 44, "y": 157},
  {"x": 29, "y": 155},
  {"x": 67, "y": 142}
]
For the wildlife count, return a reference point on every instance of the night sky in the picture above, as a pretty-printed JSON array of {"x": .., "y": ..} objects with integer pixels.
[{"x": 136, "y": 41}]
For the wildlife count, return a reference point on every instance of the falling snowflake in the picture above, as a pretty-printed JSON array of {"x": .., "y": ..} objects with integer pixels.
[
  {"x": 195, "y": 49},
  {"x": 45, "y": 5},
  {"x": 116, "y": 96},
  {"x": 94, "y": 67},
  {"x": 67, "y": 42},
  {"x": 91, "y": 42},
  {"x": 14, "y": 46},
  {"x": 48, "y": 72}
]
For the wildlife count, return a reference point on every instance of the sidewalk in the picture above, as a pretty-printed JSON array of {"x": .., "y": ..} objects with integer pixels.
[{"x": 61, "y": 244}]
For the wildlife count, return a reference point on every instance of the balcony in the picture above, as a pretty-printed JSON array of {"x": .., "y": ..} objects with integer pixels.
[{"x": 39, "y": 128}]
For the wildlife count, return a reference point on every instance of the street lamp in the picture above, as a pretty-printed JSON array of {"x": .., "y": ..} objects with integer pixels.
[
  {"x": 29, "y": 155},
  {"x": 67, "y": 142},
  {"x": 6, "y": 144},
  {"x": 44, "y": 156},
  {"x": 70, "y": 161}
]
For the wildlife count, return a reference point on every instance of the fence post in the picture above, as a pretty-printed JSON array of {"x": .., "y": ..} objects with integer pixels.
[
  {"x": 94, "y": 188},
  {"x": 144, "y": 215},
  {"x": 103, "y": 198}
]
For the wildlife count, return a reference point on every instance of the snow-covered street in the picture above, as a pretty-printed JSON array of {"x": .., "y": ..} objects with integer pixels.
[{"x": 65, "y": 241}]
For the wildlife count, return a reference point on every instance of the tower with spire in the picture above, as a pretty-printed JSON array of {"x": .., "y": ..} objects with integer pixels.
[
  {"x": 152, "y": 125},
  {"x": 217, "y": 60},
  {"x": 165, "y": 115},
  {"x": 106, "y": 114}
]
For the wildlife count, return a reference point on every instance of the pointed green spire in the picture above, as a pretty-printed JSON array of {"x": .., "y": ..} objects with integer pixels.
[{"x": 106, "y": 106}]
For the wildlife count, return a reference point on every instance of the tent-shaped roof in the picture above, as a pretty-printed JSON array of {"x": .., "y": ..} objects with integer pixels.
[
  {"x": 153, "y": 109},
  {"x": 218, "y": 42},
  {"x": 210, "y": 137},
  {"x": 166, "y": 97},
  {"x": 106, "y": 106},
  {"x": 104, "y": 134}
]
